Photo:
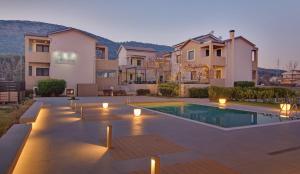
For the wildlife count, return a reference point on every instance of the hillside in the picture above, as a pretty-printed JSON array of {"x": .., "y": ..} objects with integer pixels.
[{"x": 12, "y": 37}]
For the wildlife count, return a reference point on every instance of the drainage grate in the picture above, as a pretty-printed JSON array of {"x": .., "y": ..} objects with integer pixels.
[{"x": 284, "y": 150}]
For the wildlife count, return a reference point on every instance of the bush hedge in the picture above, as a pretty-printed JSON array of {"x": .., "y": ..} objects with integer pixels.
[
  {"x": 168, "y": 89},
  {"x": 51, "y": 87},
  {"x": 215, "y": 92},
  {"x": 142, "y": 92},
  {"x": 244, "y": 84},
  {"x": 250, "y": 93},
  {"x": 198, "y": 92}
]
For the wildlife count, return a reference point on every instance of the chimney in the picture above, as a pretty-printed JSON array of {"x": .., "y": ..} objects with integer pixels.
[{"x": 231, "y": 33}]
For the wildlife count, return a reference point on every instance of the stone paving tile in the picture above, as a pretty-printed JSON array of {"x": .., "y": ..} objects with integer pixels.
[
  {"x": 193, "y": 167},
  {"x": 130, "y": 147},
  {"x": 61, "y": 142}
]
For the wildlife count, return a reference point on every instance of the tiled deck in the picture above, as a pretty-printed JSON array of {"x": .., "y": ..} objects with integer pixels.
[{"x": 61, "y": 142}]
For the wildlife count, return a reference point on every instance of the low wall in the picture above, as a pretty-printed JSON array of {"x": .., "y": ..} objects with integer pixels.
[
  {"x": 133, "y": 87},
  {"x": 86, "y": 90},
  {"x": 184, "y": 88}
]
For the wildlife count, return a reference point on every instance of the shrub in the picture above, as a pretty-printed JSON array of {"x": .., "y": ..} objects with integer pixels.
[
  {"x": 29, "y": 93},
  {"x": 215, "y": 92},
  {"x": 244, "y": 84},
  {"x": 198, "y": 92},
  {"x": 51, "y": 87},
  {"x": 143, "y": 92},
  {"x": 168, "y": 89}
]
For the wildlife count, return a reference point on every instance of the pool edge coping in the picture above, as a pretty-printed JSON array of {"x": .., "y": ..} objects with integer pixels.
[{"x": 218, "y": 127}]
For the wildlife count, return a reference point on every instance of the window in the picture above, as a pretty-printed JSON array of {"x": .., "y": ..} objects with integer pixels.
[
  {"x": 99, "y": 53},
  {"x": 42, "y": 48},
  {"x": 138, "y": 62},
  {"x": 218, "y": 74},
  {"x": 207, "y": 52},
  {"x": 219, "y": 52},
  {"x": 42, "y": 71},
  {"x": 30, "y": 71},
  {"x": 131, "y": 61},
  {"x": 177, "y": 58},
  {"x": 106, "y": 74},
  {"x": 130, "y": 76},
  {"x": 253, "y": 55},
  {"x": 193, "y": 75},
  {"x": 191, "y": 55}
]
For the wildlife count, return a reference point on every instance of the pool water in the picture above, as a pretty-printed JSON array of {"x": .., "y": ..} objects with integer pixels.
[{"x": 226, "y": 118}]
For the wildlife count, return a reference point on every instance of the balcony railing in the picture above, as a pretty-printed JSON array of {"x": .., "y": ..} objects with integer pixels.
[{"x": 43, "y": 57}]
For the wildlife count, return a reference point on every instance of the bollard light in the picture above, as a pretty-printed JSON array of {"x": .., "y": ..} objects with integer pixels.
[
  {"x": 81, "y": 112},
  {"x": 104, "y": 105},
  {"x": 155, "y": 165},
  {"x": 222, "y": 101},
  {"x": 137, "y": 112},
  {"x": 109, "y": 136}
]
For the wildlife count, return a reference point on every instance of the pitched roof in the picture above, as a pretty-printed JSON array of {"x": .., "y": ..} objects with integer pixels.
[
  {"x": 241, "y": 37},
  {"x": 138, "y": 48},
  {"x": 201, "y": 39},
  {"x": 70, "y": 28}
]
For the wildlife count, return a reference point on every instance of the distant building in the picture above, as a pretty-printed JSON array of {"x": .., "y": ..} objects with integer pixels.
[
  {"x": 291, "y": 78},
  {"x": 139, "y": 65}
]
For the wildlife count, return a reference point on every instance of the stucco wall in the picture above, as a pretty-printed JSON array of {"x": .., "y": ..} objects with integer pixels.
[
  {"x": 243, "y": 61},
  {"x": 83, "y": 68}
]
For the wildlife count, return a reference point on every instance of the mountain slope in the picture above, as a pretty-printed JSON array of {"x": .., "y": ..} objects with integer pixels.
[{"x": 12, "y": 37}]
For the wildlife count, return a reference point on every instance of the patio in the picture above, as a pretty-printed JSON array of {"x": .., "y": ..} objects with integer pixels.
[{"x": 60, "y": 142}]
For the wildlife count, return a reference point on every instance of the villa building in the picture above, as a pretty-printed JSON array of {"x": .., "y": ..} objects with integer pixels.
[
  {"x": 72, "y": 55},
  {"x": 143, "y": 65},
  {"x": 209, "y": 60}
]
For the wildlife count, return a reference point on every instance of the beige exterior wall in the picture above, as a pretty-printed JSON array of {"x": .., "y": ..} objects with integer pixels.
[
  {"x": 72, "y": 57},
  {"x": 35, "y": 60},
  {"x": 105, "y": 65},
  {"x": 82, "y": 69}
]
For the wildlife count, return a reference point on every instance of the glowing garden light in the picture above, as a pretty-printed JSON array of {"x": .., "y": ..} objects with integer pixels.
[
  {"x": 104, "y": 105},
  {"x": 222, "y": 101},
  {"x": 137, "y": 112},
  {"x": 285, "y": 107}
]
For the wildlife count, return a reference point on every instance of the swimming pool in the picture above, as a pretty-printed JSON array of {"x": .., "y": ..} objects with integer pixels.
[{"x": 225, "y": 118}]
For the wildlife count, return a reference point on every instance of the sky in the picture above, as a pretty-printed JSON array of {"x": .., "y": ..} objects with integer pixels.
[{"x": 273, "y": 25}]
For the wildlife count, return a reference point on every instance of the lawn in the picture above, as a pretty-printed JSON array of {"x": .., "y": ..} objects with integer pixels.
[
  {"x": 10, "y": 115},
  {"x": 270, "y": 105}
]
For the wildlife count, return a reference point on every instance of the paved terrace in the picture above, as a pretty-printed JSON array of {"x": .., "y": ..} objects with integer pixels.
[{"x": 60, "y": 142}]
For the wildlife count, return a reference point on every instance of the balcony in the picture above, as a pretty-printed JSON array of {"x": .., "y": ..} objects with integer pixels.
[
  {"x": 213, "y": 61},
  {"x": 41, "y": 57}
]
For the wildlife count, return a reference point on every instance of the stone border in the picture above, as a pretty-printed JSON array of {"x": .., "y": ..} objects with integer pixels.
[
  {"x": 11, "y": 146},
  {"x": 218, "y": 127},
  {"x": 31, "y": 113}
]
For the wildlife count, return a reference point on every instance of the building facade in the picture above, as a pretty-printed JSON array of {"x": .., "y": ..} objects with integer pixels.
[
  {"x": 79, "y": 59},
  {"x": 143, "y": 65},
  {"x": 212, "y": 61},
  {"x": 71, "y": 55},
  {"x": 291, "y": 78}
]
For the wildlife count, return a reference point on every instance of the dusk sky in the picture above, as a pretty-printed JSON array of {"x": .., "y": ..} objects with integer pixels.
[{"x": 272, "y": 25}]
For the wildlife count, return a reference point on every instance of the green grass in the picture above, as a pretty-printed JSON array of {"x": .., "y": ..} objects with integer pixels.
[
  {"x": 11, "y": 115},
  {"x": 270, "y": 105}
]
